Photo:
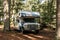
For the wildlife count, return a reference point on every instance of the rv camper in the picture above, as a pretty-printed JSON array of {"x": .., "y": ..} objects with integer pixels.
[{"x": 27, "y": 21}]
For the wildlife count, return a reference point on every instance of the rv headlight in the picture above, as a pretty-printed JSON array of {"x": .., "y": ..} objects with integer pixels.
[{"x": 25, "y": 25}]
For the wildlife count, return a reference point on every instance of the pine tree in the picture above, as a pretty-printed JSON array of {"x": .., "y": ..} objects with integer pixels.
[
  {"x": 6, "y": 11},
  {"x": 58, "y": 20}
]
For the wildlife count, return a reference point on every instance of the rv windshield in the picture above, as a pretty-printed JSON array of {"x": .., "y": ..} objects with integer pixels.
[
  {"x": 32, "y": 20},
  {"x": 29, "y": 20}
]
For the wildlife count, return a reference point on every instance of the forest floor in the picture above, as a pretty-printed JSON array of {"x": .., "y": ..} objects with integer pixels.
[{"x": 16, "y": 35}]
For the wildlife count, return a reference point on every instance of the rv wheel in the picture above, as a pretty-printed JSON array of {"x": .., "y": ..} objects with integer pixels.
[
  {"x": 36, "y": 31},
  {"x": 22, "y": 30}
]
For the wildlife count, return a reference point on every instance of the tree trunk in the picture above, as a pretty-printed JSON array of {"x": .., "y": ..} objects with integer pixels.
[
  {"x": 6, "y": 11},
  {"x": 58, "y": 20}
]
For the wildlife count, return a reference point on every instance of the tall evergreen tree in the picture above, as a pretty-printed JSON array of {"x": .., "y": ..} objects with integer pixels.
[{"x": 58, "y": 20}]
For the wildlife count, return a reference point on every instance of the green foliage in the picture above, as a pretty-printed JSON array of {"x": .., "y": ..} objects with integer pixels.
[
  {"x": 48, "y": 12},
  {"x": 1, "y": 8},
  {"x": 1, "y": 2},
  {"x": 18, "y": 5},
  {"x": 1, "y": 23}
]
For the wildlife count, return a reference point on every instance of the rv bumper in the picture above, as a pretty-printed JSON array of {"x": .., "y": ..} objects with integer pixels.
[{"x": 31, "y": 28}]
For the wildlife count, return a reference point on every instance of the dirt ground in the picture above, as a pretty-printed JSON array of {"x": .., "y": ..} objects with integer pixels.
[{"x": 16, "y": 35}]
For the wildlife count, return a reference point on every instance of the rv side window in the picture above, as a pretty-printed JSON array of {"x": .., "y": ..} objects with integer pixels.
[{"x": 23, "y": 14}]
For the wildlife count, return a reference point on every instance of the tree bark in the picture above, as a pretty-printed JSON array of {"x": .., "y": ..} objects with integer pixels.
[
  {"x": 6, "y": 11},
  {"x": 58, "y": 19}
]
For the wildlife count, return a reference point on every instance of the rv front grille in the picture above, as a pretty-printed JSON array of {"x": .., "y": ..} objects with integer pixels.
[{"x": 32, "y": 27}]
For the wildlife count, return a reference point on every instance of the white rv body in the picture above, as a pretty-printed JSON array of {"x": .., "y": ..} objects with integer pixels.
[{"x": 27, "y": 21}]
